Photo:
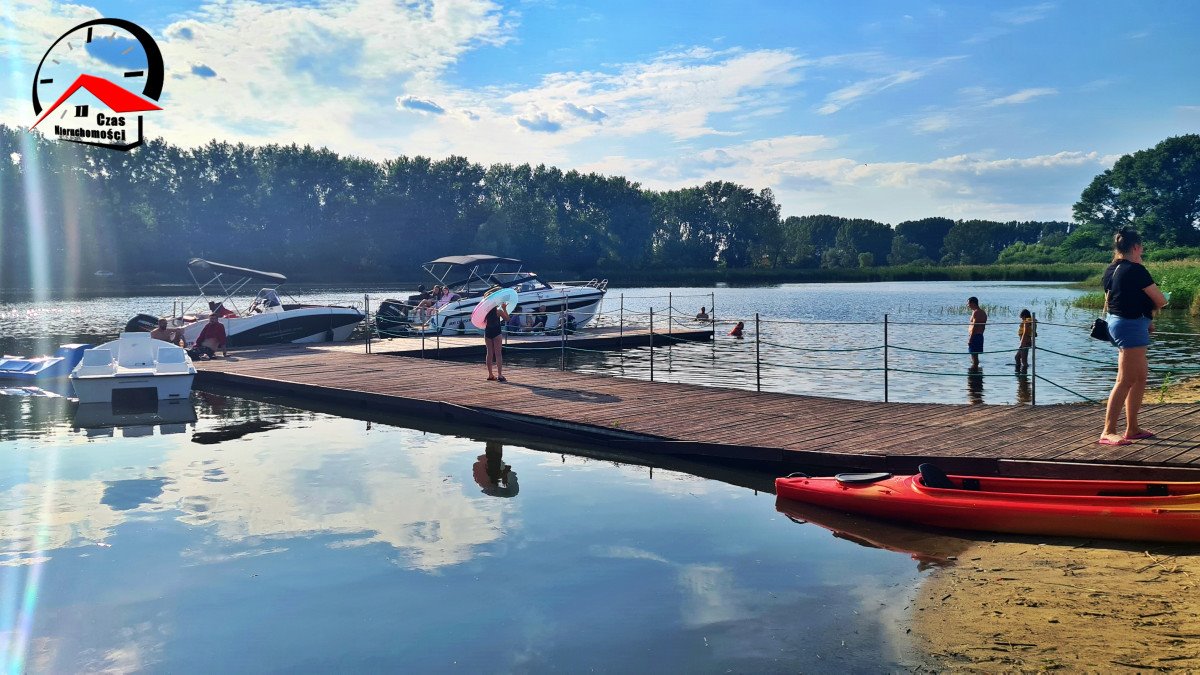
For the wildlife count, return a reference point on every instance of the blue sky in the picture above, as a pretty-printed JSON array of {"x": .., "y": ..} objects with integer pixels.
[{"x": 888, "y": 110}]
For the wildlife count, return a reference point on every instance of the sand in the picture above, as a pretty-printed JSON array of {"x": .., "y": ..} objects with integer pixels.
[{"x": 1020, "y": 605}]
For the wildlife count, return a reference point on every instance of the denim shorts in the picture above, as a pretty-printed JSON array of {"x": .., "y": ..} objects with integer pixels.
[{"x": 1129, "y": 332}]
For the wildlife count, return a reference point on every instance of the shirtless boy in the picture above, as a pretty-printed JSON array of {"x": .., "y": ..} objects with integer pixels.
[{"x": 975, "y": 331}]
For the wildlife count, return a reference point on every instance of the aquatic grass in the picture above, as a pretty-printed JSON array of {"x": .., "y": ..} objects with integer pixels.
[{"x": 1179, "y": 278}]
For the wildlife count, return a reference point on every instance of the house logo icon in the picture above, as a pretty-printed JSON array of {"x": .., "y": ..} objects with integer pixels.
[{"x": 90, "y": 107}]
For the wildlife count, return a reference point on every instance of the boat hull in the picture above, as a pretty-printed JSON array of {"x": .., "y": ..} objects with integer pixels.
[
  {"x": 582, "y": 304},
  {"x": 305, "y": 325},
  {"x": 1103, "y": 509},
  {"x": 102, "y": 389}
]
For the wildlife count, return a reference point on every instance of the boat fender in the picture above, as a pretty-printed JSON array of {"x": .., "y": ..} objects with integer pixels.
[{"x": 861, "y": 478}]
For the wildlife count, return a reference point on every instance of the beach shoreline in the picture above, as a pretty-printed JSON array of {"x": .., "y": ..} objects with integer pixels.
[{"x": 1035, "y": 604}]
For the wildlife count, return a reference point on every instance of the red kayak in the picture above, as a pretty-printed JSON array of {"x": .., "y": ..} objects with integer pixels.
[{"x": 1146, "y": 511}]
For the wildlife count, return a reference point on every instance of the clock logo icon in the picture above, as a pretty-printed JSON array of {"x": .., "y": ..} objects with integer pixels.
[{"x": 94, "y": 82}]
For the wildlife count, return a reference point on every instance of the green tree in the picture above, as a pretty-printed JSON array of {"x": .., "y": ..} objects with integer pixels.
[
  {"x": 927, "y": 233},
  {"x": 1155, "y": 190}
]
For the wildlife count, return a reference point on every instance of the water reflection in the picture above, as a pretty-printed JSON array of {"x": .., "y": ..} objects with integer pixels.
[
  {"x": 496, "y": 478},
  {"x": 170, "y": 417},
  {"x": 975, "y": 385},
  {"x": 929, "y": 549},
  {"x": 1024, "y": 389},
  {"x": 196, "y": 547}
]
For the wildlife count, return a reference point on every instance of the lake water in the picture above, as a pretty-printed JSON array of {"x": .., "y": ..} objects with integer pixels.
[
  {"x": 824, "y": 339},
  {"x": 263, "y": 538}
]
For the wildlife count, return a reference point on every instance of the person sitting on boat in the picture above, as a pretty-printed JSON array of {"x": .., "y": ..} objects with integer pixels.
[
  {"x": 220, "y": 310},
  {"x": 211, "y": 338},
  {"x": 516, "y": 321},
  {"x": 172, "y": 335},
  {"x": 448, "y": 296},
  {"x": 425, "y": 306},
  {"x": 702, "y": 315}
]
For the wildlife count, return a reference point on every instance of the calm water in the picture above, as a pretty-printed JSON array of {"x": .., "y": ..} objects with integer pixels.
[
  {"x": 822, "y": 339},
  {"x": 263, "y": 538}
]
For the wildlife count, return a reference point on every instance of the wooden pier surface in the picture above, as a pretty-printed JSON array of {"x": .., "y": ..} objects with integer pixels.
[{"x": 779, "y": 430}]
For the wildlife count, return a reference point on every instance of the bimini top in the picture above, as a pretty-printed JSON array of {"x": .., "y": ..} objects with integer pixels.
[
  {"x": 201, "y": 265},
  {"x": 475, "y": 259}
]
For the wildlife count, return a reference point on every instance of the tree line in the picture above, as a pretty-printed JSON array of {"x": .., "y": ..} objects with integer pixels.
[{"x": 316, "y": 215}]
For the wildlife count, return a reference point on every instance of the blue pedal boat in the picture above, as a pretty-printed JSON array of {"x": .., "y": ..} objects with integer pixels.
[{"x": 22, "y": 369}]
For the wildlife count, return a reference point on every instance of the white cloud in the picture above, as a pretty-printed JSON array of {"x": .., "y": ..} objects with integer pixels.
[
  {"x": 873, "y": 62},
  {"x": 935, "y": 123},
  {"x": 1023, "y": 96},
  {"x": 1027, "y": 14},
  {"x": 847, "y": 95}
]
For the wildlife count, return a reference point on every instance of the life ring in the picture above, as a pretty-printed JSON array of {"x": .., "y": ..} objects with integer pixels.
[{"x": 503, "y": 296}]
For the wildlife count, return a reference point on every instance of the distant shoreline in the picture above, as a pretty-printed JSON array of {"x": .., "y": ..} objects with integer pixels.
[{"x": 1077, "y": 272}]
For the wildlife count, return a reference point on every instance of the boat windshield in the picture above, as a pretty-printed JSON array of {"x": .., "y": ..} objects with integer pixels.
[
  {"x": 470, "y": 276},
  {"x": 267, "y": 300}
]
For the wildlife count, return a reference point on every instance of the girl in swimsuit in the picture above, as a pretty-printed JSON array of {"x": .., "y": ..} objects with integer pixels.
[{"x": 492, "y": 341}]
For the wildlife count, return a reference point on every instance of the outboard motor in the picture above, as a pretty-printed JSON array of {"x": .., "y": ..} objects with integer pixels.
[
  {"x": 391, "y": 317},
  {"x": 142, "y": 323}
]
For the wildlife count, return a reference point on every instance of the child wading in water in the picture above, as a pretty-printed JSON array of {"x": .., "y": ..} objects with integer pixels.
[{"x": 1027, "y": 331}]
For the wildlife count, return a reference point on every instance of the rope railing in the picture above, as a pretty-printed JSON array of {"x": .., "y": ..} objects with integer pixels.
[{"x": 737, "y": 364}]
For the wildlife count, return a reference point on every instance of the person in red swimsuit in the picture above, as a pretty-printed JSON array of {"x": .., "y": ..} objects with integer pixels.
[{"x": 211, "y": 338}]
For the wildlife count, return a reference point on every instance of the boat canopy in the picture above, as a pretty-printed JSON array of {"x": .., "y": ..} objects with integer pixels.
[
  {"x": 475, "y": 259},
  {"x": 201, "y": 265}
]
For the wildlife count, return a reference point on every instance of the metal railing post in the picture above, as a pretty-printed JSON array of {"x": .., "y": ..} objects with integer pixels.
[
  {"x": 562, "y": 345},
  {"x": 885, "y": 358},
  {"x": 757, "y": 355},
  {"x": 621, "y": 327},
  {"x": 423, "y": 342},
  {"x": 367, "y": 312},
  {"x": 670, "y": 313},
  {"x": 1033, "y": 363},
  {"x": 712, "y": 303},
  {"x": 651, "y": 344},
  {"x": 437, "y": 340}
]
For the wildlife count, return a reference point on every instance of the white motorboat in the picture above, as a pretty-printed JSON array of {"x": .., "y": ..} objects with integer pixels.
[
  {"x": 267, "y": 320},
  {"x": 570, "y": 304},
  {"x": 133, "y": 365}
]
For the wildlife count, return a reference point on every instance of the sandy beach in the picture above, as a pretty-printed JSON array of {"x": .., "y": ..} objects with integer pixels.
[{"x": 1036, "y": 604}]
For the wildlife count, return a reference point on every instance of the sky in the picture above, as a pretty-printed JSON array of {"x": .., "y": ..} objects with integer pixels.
[{"x": 890, "y": 109}]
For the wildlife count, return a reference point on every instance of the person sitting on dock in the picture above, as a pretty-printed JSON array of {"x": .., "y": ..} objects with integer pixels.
[
  {"x": 172, "y": 335},
  {"x": 538, "y": 321},
  {"x": 516, "y": 321},
  {"x": 702, "y": 315},
  {"x": 211, "y": 338},
  {"x": 737, "y": 330}
]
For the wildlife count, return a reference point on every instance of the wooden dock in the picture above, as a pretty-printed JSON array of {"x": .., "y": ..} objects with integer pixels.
[
  {"x": 782, "y": 432},
  {"x": 606, "y": 337}
]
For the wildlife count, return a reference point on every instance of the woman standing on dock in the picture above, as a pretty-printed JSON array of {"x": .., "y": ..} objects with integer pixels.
[
  {"x": 1131, "y": 298},
  {"x": 496, "y": 317}
]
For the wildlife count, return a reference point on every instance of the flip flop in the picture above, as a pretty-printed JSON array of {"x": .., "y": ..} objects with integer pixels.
[
  {"x": 1140, "y": 435},
  {"x": 502, "y": 379},
  {"x": 1105, "y": 441}
]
